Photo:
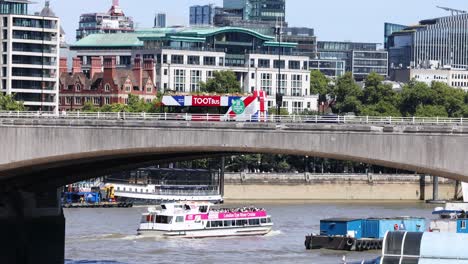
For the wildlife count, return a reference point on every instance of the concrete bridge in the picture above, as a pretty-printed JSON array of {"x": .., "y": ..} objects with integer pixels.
[{"x": 39, "y": 155}]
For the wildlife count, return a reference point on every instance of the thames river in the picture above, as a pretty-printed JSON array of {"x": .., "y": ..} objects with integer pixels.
[{"x": 109, "y": 236}]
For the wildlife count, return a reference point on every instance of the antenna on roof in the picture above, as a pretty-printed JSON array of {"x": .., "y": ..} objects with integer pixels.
[{"x": 455, "y": 12}]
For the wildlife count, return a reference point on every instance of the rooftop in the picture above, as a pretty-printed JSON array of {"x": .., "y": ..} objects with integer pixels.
[{"x": 185, "y": 34}]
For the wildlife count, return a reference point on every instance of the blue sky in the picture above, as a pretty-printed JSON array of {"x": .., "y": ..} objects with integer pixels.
[{"x": 355, "y": 20}]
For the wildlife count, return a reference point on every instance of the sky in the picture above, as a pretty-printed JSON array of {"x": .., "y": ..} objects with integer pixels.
[{"x": 338, "y": 20}]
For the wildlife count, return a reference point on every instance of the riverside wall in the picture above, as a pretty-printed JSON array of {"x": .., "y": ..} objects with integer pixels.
[{"x": 307, "y": 186}]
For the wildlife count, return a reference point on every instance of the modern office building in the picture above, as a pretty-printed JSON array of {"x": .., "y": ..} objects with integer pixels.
[
  {"x": 187, "y": 56},
  {"x": 202, "y": 15},
  {"x": 389, "y": 28},
  {"x": 331, "y": 68},
  {"x": 114, "y": 21},
  {"x": 453, "y": 77},
  {"x": 440, "y": 41},
  {"x": 160, "y": 20},
  {"x": 305, "y": 39},
  {"x": 360, "y": 58},
  {"x": 30, "y": 52}
]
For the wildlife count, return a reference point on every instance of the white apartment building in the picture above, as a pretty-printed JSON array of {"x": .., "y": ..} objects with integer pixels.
[
  {"x": 29, "y": 61},
  {"x": 453, "y": 77}
]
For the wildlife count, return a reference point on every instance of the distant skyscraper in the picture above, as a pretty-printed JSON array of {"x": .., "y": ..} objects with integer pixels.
[
  {"x": 202, "y": 15},
  {"x": 160, "y": 20},
  {"x": 389, "y": 28}
]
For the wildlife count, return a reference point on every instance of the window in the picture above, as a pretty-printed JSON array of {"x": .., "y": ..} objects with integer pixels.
[
  {"x": 107, "y": 100},
  {"x": 252, "y": 75},
  {"x": 297, "y": 107},
  {"x": 165, "y": 72},
  {"x": 179, "y": 219},
  {"x": 77, "y": 87},
  {"x": 263, "y": 63},
  {"x": 177, "y": 59},
  {"x": 96, "y": 100},
  {"x": 283, "y": 83},
  {"x": 254, "y": 222},
  {"x": 194, "y": 60},
  {"x": 209, "y": 75},
  {"x": 128, "y": 88},
  {"x": 241, "y": 222},
  {"x": 221, "y": 61},
  {"x": 263, "y": 220},
  {"x": 296, "y": 85},
  {"x": 463, "y": 224},
  {"x": 78, "y": 100},
  {"x": 280, "y": 64},
  {"x": 149, "y": 88},
  {"x": 195, "y": 79},
  {"x": 252, "y": 63},
  {"x": 179, "y": 80},
  {"x": 294, "y": 65},
  {"x": 265, "y": 83},
  {"x": 210, "y": 61},
  {"x": 230, "y": 223},
  {"x": 215, "y": 224},
  {"x": 68, "y": 100},
  {"x": 163, "y": 219},
  {"x": 107, "y": 87}
]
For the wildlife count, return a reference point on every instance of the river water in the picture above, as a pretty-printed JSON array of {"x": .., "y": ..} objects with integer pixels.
[{"x": 109, "y": 236}]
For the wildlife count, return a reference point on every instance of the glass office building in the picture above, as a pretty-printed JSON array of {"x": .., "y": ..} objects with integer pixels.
[
  {"x": 389, "y": 28},
  {"x": 360, "y": 58},
  {"x": 202, "y": 15},
  {"x": 444, "y": 40}
]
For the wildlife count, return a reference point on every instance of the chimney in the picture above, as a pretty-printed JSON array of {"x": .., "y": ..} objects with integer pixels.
[
  {"x": 76, "y": 65},
  {"x": 96, "y": 66},
  {"x": 63, "y": 65},
  {"x": 148, "y": 66},
  {"x": 109, "y": 68},
  {"x": 138, "y": 73}
]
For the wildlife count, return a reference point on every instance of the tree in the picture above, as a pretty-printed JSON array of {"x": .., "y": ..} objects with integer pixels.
[
  {"x": 223, "y": 82},
  {"x": 137, "y": 105},
  {"x": 319, "y": 84},
  {"x": 382, "y": 108},
  {"x": 415, "y": 94},
  {"x": 283, "y": 111},
  {"x": 8, "y": 103},
  {"x": 378, "y": 99},
  {"x": 114, "y": 108},
  {"x": 431, "y": 111},
  {"x": 346, "y": 94},
  {"x": 89, "y": 107}
]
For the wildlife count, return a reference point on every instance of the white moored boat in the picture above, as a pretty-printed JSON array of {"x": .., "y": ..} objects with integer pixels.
[{"x": 201, "y": 220}]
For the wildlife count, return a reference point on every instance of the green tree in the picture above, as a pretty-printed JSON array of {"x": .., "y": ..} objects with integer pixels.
[
  {"x": 413, "y": 95},
  {"x": 137, "y": 105},
  {"x": 8, "y": 103},
  {"x": 346, "y": 94},
  {"x": 89, "y": 107},
  {"x": 431, "y": 111},
  {"x": 382, "y": 108},
  {"x": 283, "y": 111},
  {"x": 114, "y": 108},
  {"x": 378, "y": 99},
  {"x": 319, "y": 84},
  {"x": 223, "y": 82},
  {"x": 451, "y": 98}
]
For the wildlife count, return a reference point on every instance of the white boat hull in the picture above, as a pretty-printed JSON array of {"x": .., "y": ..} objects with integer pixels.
[{"x": 206, "y": 233}]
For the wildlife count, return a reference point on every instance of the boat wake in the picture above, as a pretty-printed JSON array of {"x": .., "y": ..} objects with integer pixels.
[{"x": 274, "y": 233}]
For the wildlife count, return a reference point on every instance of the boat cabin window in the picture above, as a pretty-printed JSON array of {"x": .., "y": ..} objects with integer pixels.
[
  {"x": 163, "y": 219},
  {"x": 203, "y": 209},
  {"x": 254, "y": 222},
  {"x": 163, "y": 206},
  {"x": 463, "y": 224},
  {"x": 230, "y": 223},
  {"x": 179, "y": 219},
  {"x": 263, "y": 220},
  {"x": 241, "y": 222},
  {"x": 215, "y": 224},
  {"x": 187, "y": 207},
  {"x": 268, "y": 220}
]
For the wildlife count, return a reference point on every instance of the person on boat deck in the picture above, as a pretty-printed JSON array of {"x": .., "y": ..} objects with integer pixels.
[{"x": 463, "y": 214}]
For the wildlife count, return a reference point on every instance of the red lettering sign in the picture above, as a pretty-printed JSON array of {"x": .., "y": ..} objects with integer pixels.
[{"x": 206, "y": 100}]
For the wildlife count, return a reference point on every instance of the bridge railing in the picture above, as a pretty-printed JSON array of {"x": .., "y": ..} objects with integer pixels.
[{"x": 325, "y": 119}]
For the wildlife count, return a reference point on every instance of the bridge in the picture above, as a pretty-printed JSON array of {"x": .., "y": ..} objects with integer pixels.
[{"x": 42, "y": 152}]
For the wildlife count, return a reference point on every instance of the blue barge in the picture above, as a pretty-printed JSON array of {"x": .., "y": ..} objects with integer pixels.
[{"x": 360, "y": 234}]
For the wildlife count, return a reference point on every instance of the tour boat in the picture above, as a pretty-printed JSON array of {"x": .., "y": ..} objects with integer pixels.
[{"x": 202, "y": 220}]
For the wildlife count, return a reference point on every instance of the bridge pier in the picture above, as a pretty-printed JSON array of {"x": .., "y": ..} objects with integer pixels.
[{"x": 32, "y": 227}]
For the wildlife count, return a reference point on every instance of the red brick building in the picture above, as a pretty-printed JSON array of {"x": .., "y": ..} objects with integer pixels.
[{"x": 105, "y": 84}]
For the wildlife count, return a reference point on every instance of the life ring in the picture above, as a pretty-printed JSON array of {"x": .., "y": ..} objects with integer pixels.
[
  {"x": 349, "y": 242},
  {"x": 395, "y": 227}
]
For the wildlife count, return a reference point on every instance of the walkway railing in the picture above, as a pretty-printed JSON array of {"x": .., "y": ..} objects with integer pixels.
[{"x": 326, "y": 119}]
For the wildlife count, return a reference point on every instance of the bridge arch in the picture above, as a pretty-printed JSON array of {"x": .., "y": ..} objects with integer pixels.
[{"x": 56, "y": 152}]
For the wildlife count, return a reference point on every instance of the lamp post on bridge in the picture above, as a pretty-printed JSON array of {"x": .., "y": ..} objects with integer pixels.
[{"x": 279, "y": 95}]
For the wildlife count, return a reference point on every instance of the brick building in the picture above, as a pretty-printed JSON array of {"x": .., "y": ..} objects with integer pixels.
[{"x": 104, "y": 83}]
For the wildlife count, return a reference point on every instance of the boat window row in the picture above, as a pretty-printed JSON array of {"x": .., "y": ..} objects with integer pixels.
[{"x": 240, "y": 222}]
